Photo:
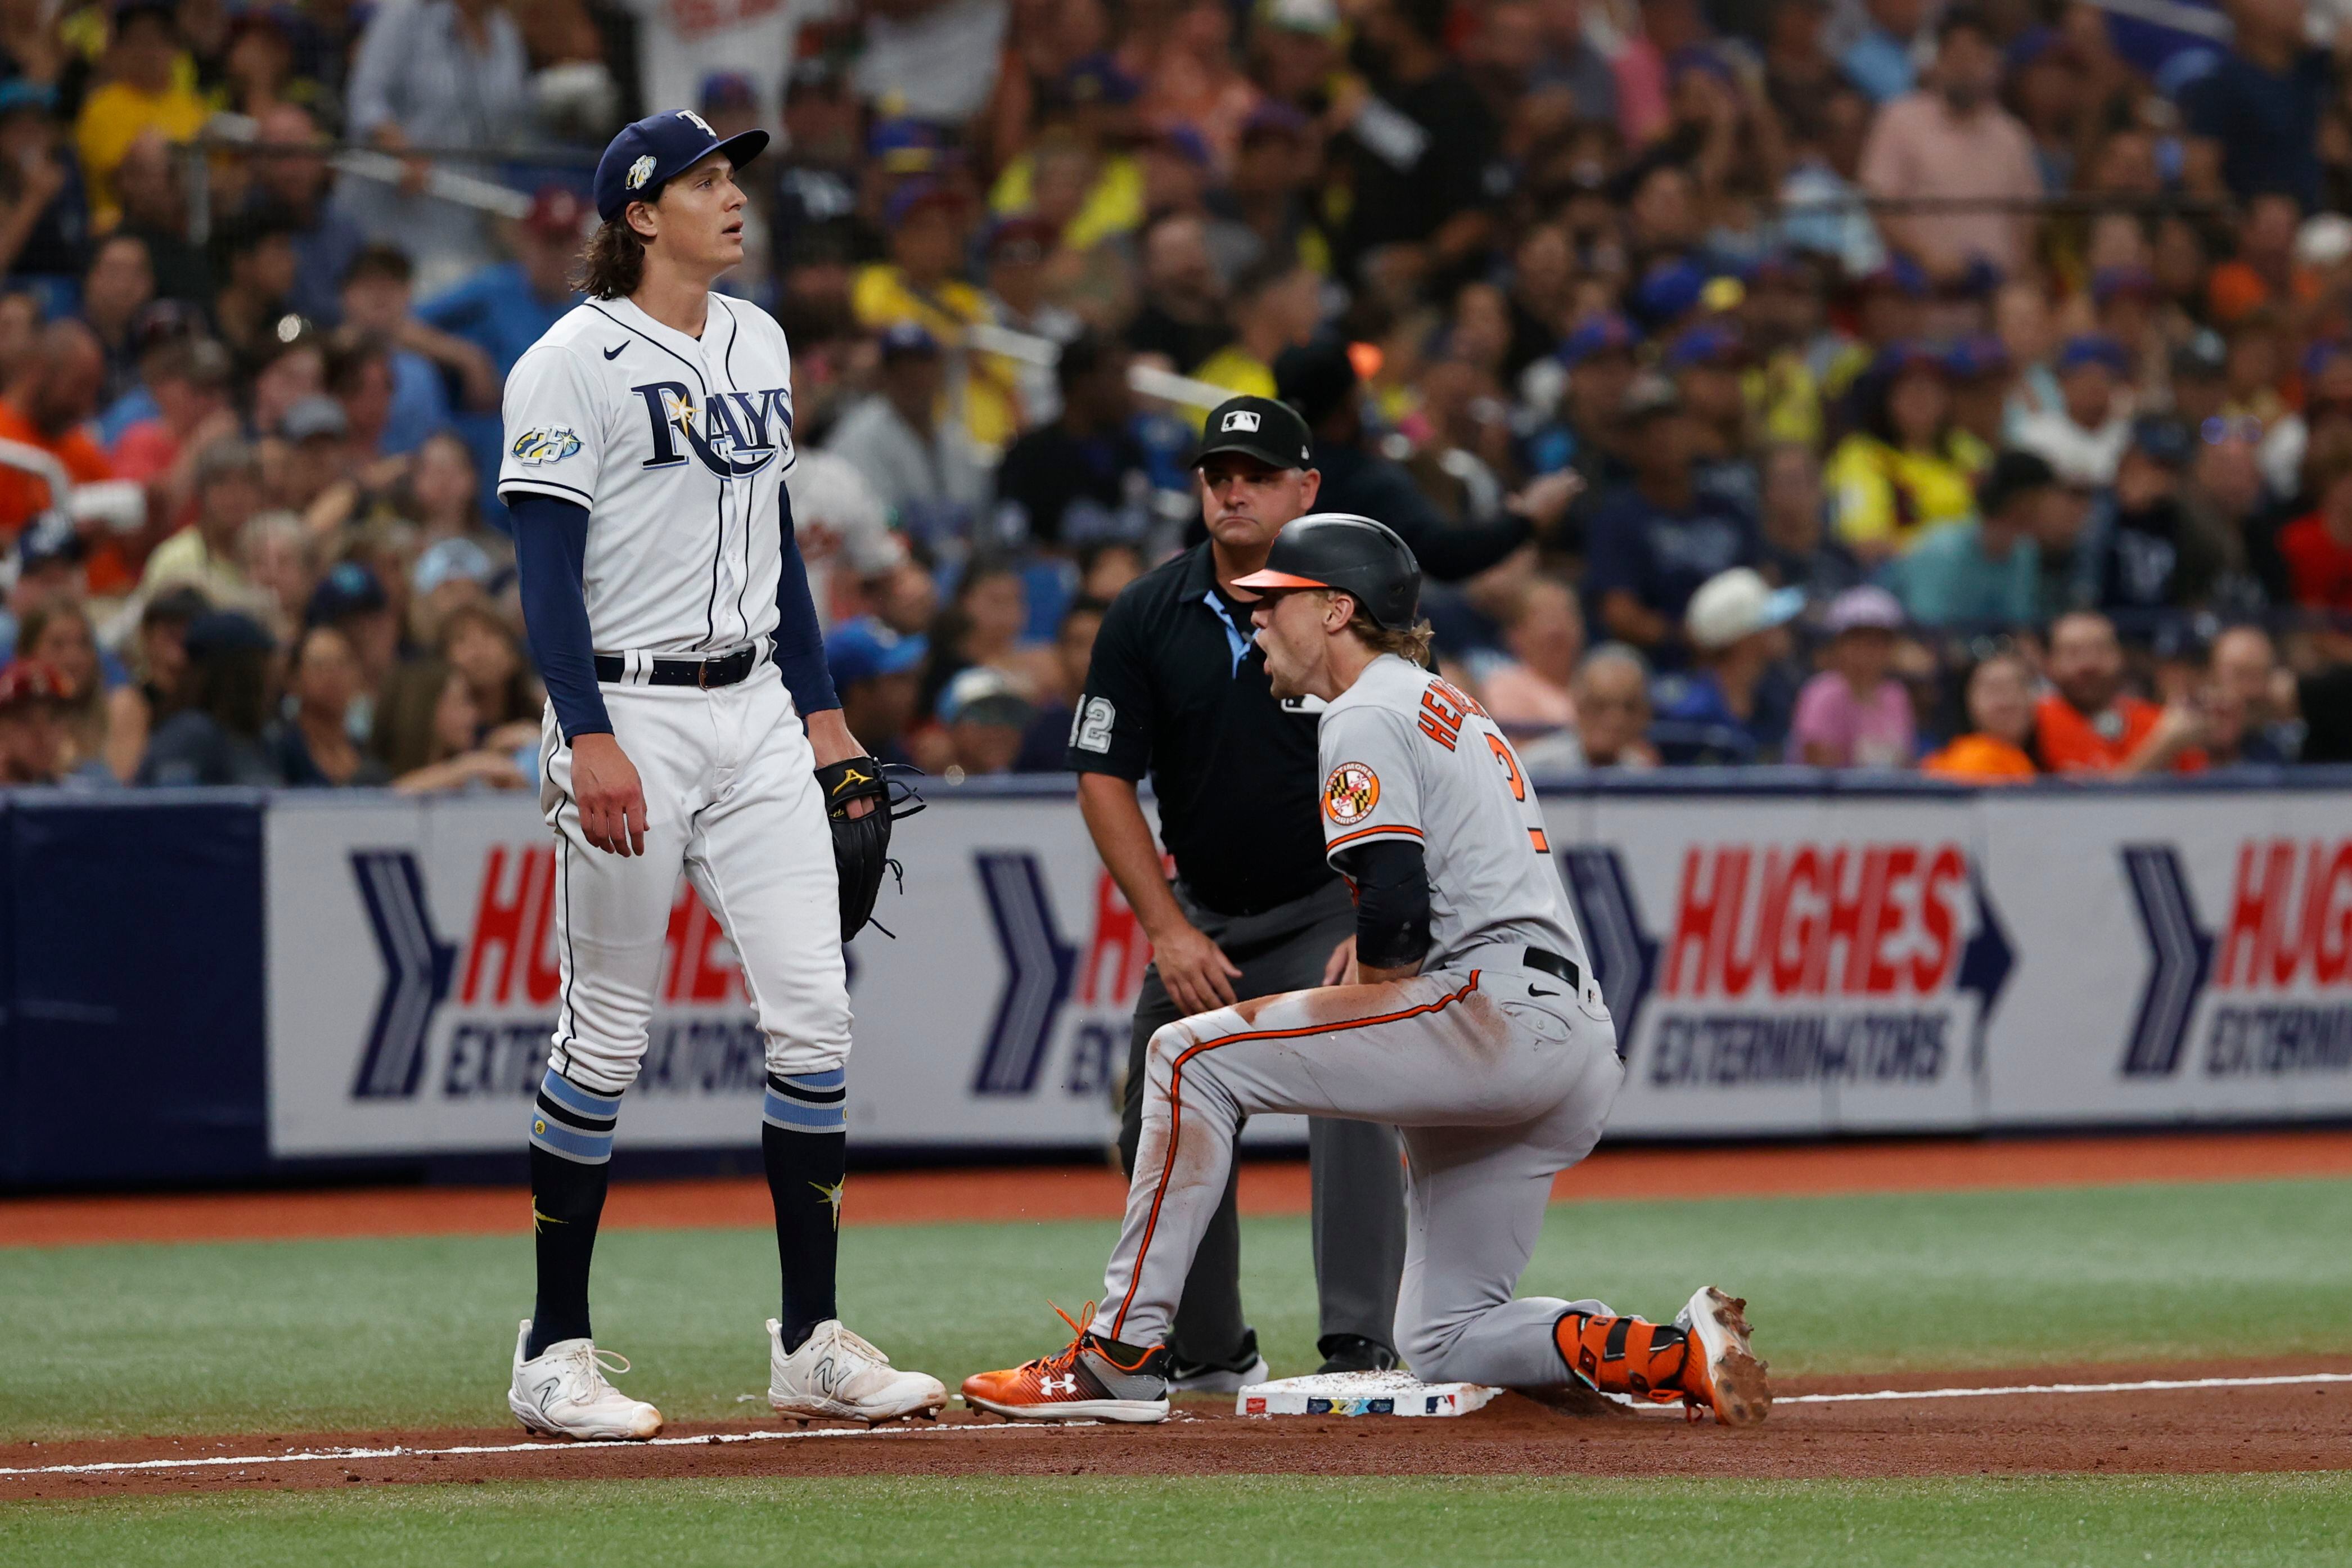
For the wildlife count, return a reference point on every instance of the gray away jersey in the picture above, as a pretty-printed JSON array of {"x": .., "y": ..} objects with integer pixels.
[
  {"x": 678, "y": 448},
  {"x": 1405, "y": 754}
]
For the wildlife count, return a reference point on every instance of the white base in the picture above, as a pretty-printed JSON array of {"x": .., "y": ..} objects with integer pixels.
[{"x": 1361, "y": 1393}]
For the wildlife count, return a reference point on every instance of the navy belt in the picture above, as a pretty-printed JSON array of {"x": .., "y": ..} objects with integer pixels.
[
  {"x": 1553, "y": 963},
  {"x": 697, "y": 672}
]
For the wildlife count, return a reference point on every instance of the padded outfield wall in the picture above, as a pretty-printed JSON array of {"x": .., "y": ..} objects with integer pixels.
[{"x": 218, "y": 986}]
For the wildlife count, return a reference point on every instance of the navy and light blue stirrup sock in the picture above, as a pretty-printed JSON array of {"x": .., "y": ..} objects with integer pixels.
[
  {"x": 570, "y": 1163},
  {"x": 804, "y": 1142}
]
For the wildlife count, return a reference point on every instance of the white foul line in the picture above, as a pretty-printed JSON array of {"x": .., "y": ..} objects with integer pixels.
[
  {"x": 321, "y": 1456},
  {"x": 401, "y": 1451}
]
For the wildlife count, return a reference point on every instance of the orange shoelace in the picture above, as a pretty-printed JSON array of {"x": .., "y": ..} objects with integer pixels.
[{"x": 1065, "y": 1358}]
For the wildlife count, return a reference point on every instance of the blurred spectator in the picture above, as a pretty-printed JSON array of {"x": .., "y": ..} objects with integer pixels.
[
  {"x": 117, "y": 286},
  {"x": 1733, "y": 704},
  {"x": 504, "y": 308},
  {"x": 1995, "y": 750},
  {"x": 32, "y": 743},
  {"x": 44, "y": 220},
  {"x": 1528, "y": 694},
  {"x": 2243, "y": 667},
  {"x": 435, "y": 73},
  {"x": 156, "y": 211},
  {"x": 2316, "y": 547},
  {"x": 214, "y": 733},
  {"x": 1274, "y": 305},
  {"x": 1898, "y": 476},
  {"x": 1986, "y": 571},
  {"x": 982, "y": 716},
  {"x": 49, "y": 556},
  {"x": 1045, "y": 744},
  {"x": 142, "y": 92},
  {"x": 1654, "y": 541},
  {"x": 451, "y": 574},
  {"x": 932, "y": 60},
  {"x": 1798, "y": 551},
  {"x": 1181, "y": 317},
  {"x": 844, "y": 537},
  {"x": 2086, "y": 435},
  {"x": 2090, "y": 724},
  {"x": 431, "y": 744},
  {"x": 921, "y": 466},
  {"x": 52, "y": 394},
  {"x": 2152, "y": 552},
  {"x": 59, "y": 639},
  {"x": 256, "y": 268},
  {"x": 204, "y": 554},
  {"x": 1418, "y": 139},
  {"x": 1016, "y": 253},
  {"x": 1854, "y": 713},
  {"x": 919, "y": 289},
  {"x": 878, "y": 675},
  {"x": 159, "y": 662},
  {"x": 351, "y": 598},
  {"x": 1882, "y": 56},
  {"x": 1611, "y": 691},
  {"x": 276, "y": 554},
  {"x": 442, "y": 495},
  {"x": 1952, "y": 140},
  {"x": 981, "y": 625},
  {"x": 425, "y": 363},
  {"x": 482, "y": 647},
  {"x": 300, "y": 188},
  {"x": 313, "y": 746},
  {"x": 1108, "y": 566},
  {"x": 189, "y": 382},
  {"x": 312, "y": 469},
  {"x": 1084, "y": 477},
  {"x": 2253, "y": 119}
]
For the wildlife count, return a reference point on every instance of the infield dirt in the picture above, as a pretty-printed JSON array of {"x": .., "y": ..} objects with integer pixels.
[{"x": 2173, "y": 1432}]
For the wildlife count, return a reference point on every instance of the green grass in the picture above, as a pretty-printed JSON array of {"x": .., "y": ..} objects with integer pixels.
[
  {"x": 1293, "y": 1522},
  {"x": 313, "y": 1336}
]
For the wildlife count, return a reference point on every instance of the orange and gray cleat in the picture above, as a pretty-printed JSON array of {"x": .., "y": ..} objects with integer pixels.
[
  {"x": 1701, "y": 1361},
  {"x": 1721, "y": 1374},
  {"x": 1095, "y": 1379}
]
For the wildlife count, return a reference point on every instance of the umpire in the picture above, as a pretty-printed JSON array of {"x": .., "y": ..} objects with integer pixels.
[{"x": 1177, "y": 688}]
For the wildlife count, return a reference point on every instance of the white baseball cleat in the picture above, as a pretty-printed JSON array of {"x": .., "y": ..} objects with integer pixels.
[
  {"x": 561, "y": 1392},
  {"x": 1725, "y": 1377},
  {"x": 837, "y": 1376}
]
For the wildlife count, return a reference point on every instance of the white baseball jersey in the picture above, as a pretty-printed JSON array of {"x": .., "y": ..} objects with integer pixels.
[
  {"x": 678, "y": 448},
  {"x": 1406, "y": 754}
]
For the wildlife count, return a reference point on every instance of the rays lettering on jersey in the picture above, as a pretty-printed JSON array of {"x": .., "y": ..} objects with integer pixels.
[{"x": 731, "y": 436}]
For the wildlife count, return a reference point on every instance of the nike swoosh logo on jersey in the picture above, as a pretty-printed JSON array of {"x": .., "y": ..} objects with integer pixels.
[
  {"x": 615, "y": 352},
  {"x": 1532, "y": 991}
]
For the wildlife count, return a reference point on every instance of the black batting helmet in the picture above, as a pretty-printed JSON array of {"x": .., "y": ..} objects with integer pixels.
[{"x": 1354, "y": 555}]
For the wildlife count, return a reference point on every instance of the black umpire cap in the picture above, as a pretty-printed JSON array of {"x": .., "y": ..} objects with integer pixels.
[
  {"x": 1353, "y": 555},
  {"x": 1257, "y": 427}
]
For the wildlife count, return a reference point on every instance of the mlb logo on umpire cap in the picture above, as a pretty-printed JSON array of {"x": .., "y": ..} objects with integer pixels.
[
  {"x": 1240, "y": 419},
  {"x": 657, "y": 148},
  {"x": 1258, "y": 428}
]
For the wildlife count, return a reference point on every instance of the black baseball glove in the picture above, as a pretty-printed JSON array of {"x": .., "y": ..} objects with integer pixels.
[{"x": 861, "y": 845}]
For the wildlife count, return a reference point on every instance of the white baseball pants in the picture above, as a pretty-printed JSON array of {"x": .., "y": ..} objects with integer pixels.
[
  {"x": 1497, "y": 1079},
  {"x": 731, "y": 800}
]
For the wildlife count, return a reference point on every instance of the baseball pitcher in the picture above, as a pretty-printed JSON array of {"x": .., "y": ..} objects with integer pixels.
[
  {"x": 648, "y": 436},
  {"x": 1471, "y": 1023}
]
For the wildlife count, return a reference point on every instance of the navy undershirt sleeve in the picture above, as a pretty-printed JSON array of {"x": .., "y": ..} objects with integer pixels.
[
  {"x": 799, "y": 641},
  {"x": 1392, "y": 883},
  {"x": 551, "y": 555}
]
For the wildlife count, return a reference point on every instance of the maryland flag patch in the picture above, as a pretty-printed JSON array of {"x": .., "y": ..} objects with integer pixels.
[{"x": 1350, "y": 793}]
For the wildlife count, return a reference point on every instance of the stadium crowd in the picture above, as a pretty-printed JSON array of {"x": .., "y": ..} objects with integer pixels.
[{"x": 1848, "y": 383}]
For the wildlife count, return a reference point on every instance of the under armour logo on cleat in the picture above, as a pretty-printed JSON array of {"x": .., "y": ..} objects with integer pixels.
[
  {"x": 615, "y": 352},
  {"x": 1047, "y": 1385}
]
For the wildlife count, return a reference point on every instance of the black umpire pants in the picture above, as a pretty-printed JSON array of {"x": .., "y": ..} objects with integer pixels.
[{"x": 1356, "y": 1167}]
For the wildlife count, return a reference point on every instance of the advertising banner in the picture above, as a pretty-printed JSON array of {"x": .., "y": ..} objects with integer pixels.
[
  {"x": 1789, "y": 964},
  {"x": 414, "y": 979},
  {"x": 2186, "y": 956}
]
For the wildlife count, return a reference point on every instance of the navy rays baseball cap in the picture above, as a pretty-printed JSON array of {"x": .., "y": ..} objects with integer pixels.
[{"x": 644, "y": 155}]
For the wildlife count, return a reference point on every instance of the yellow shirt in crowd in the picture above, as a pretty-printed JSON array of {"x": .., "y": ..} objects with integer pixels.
[
  {"x": 882, "y": 297},
  {"x": 115, "y": 116},
  {"x": 1885, "y": 497},
  {"x": 1238, "y": 371}
]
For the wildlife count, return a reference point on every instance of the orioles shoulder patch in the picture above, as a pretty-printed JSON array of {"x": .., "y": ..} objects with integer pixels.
[{"x": 1350, "y": 793}]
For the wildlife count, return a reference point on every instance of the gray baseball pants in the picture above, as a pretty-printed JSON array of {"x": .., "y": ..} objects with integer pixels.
[
  {"x": 1359, "y": 1224},
  {"x": 1499, "y": 1080}
]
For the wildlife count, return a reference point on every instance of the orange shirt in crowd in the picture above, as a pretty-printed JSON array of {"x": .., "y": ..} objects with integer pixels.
[
  {"x": 2071, "y": 743},
  {"x": 21, "y": 496},
  {"x": 1979, "y": 759}
]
